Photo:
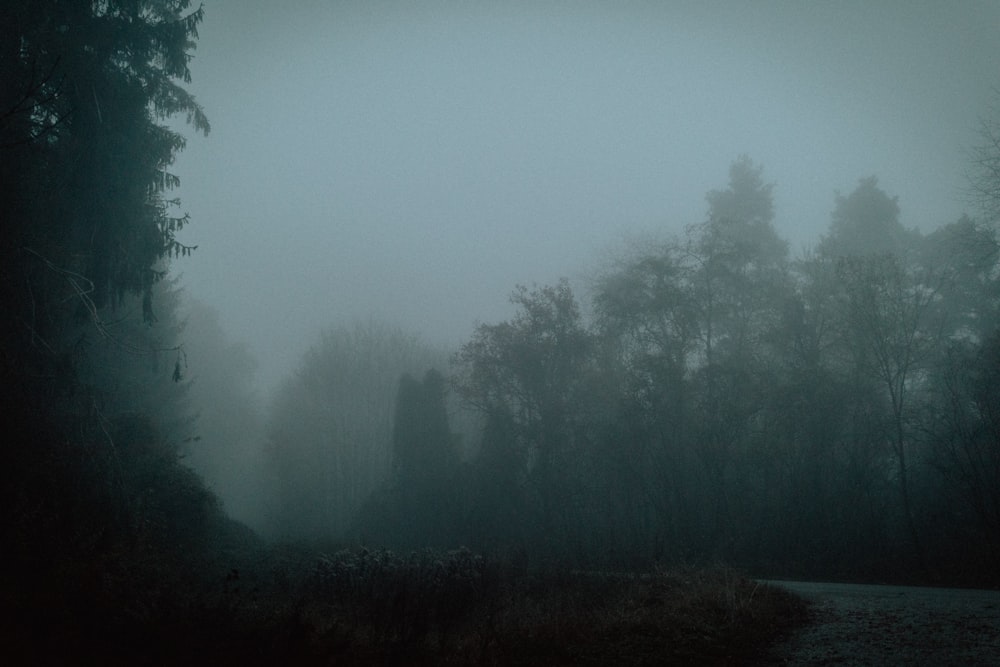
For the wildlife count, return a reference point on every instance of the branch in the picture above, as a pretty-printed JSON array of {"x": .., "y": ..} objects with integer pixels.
[{"x": 82, "y": 288}]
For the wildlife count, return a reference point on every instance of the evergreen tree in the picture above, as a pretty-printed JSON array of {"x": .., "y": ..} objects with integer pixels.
[
  {"x": 865, "y": 222},
  {"x": 425, "y": 489},
  {"x": 422, "y": 442},
  {"x": 84, "y": 159},
  {"x": 90, "y": 467}
]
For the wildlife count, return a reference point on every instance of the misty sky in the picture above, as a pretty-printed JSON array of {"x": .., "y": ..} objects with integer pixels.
[{"x": 414, "y": 161}]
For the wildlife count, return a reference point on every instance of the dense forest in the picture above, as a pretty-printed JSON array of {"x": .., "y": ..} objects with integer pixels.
[
  {"x": 708, "y": 397},
  {"x": 832, "y": 415}
]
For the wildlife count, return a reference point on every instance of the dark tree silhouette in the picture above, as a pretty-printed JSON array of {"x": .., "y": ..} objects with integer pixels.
[{"x": 84, "y": 159}]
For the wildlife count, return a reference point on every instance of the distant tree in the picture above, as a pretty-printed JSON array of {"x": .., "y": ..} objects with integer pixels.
[
  {"x": 647, "y": 306},
  {"x": 738, "y": 270},
  {"x": 498, "y": 506},
  {"x": 965, "y": 436},
  {"x": 892, "y": 336},
  {"x": 423, "y": 446},
  {"x": 422, "y": 506},
  {"x": 648, "y": 325},
  {"x": 820, "y": 471},
  {"x": 744, "y": 211},
  {"x": 865, "y": 222},
  {"x": 963, "y": 257},
  {"x": 692, "y": 322},
  {"x": 739, "y": 280},
  {"x": 330, "y": 432},
  {"x": 984, "y": 178},
  {"x": 524, "y": 375}
]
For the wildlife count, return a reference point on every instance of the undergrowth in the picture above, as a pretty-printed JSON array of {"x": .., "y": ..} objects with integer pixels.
[{"x": 257, "y": 604}]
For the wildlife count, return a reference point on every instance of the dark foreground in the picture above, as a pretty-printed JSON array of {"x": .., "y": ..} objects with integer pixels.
[
  {"x": 296, "y": 606},
  {"x": 856, "y": 624}
]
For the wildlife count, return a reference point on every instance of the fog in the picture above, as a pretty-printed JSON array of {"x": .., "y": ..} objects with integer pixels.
[
  {"x": 413, "y": 162},
  {"x": 458, "y": 332}
]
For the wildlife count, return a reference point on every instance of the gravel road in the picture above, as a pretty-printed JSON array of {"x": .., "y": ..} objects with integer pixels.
[{"x": 893, "y": 625}]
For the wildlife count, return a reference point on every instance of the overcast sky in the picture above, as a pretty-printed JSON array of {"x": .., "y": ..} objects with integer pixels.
[{"x": 414, "y": 161}]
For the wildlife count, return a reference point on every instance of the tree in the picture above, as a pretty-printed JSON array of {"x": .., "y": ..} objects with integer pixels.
[
  {"x": 965, "y": 432},
  {"x": 84, "y": 164},
  {"x": 646, "y": 306},
  {"x": 649, "y": 328},
  {"x": 887, "y": 310},
  {"x": 330, "y": 432},
  {"x": 740, "y": 262},
  {"x": 90, "y": 463},
  {"x": 739, "y": 280},
  {"x": 865, "y": 222},
  {"x": 422, "y": 506},
  {"x": 498, "y": 504},
  {"x": 526, "y": 372},
  {"x": 820, "y": 472},
  {"x": 691, "y": 322},
  {"x": 984, "y": 179},
  {"x": 959, "y": 420},
  {"x": 423, "y": 446},
  {"x": 963, "y": 257}
]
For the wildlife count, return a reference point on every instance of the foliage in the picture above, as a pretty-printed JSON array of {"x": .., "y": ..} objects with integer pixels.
[
  {"x": 98, "y": 510},
  {"x": 865, "y": 221},
  {"x": 526, "y": 376},
  {"x": 811, "y": 417},
  {"x": 792, "y": 417},
  {"x": 359, "y": 607},
  {"x": 459, "y": 608},
  {"x": 330, "y": 429},
  {"x": 423, "y": 445},
  {"x": 421, "y": 503},
  {"x": 965, "y": 439},
  {"x": 84, "y": 88},
  {"x": 404, "y": 599},
  {"x": 85, "y": 157}
]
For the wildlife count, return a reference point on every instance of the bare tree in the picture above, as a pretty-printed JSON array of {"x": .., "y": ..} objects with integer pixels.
[{"x": 984, "y": 178}]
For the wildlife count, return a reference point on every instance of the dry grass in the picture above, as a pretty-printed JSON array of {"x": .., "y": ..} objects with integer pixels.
[
  {"x": 456, "y": 608},
  {"x": 377, "y": 608}
]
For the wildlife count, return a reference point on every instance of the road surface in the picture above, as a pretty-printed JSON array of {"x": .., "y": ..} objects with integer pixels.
[{"x": 893, "y": 625}]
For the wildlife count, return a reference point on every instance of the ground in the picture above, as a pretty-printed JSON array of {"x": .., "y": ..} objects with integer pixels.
[{"x": 892, "y": 625}]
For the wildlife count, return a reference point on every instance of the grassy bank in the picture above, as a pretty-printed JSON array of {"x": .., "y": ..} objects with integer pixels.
[{"x": 257, "y": 604}]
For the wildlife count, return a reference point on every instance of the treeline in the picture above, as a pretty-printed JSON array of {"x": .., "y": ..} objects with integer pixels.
[
  {"x": 112, "y": 382},
  {"x": 101, "y": 521},
  {"x": 831, "y": 415},
  {"x": 834, "y": 414}
]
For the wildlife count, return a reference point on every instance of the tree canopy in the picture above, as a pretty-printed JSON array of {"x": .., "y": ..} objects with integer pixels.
[{"x": 85, "y": 88}]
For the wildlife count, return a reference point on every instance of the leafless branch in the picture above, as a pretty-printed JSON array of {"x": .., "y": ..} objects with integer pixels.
[{"x": 82, "y": 288}]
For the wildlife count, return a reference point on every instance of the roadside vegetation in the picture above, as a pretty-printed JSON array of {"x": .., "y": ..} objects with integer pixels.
[{"x": 243, "y": 601}]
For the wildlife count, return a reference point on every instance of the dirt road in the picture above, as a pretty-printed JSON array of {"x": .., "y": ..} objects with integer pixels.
[{"x": 893, "y": 625}]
